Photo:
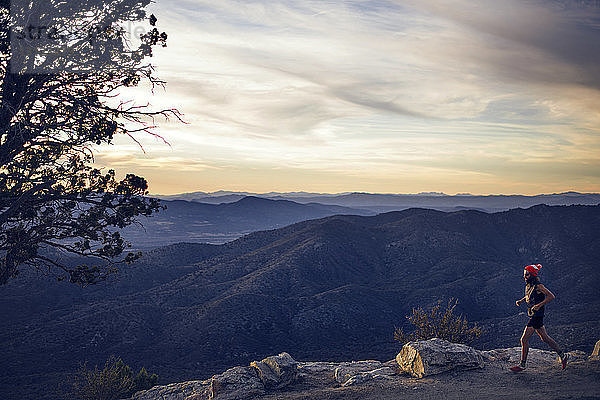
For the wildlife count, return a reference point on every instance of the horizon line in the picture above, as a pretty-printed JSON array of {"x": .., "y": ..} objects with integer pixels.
[{"x": 432, "y": 193}]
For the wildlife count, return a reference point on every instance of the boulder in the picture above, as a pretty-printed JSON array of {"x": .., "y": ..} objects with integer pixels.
[
  {"x": 434, "y": 356},
  {"x": 237, "y": 383},
  {"x": 596, "y": 351},
  {"x": 277, "y": 371},
  {"x": 266, "y": 374}
]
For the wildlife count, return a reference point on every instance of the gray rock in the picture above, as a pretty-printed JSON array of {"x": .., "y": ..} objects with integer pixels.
[
  {"x": 355, "y": 373},
  {"x": 174, "y": 391},
  {"x": 237, "y": 383},
  {"x": 277, "y": 371},
  {"x": 384, "y": 373},
  {"x": 360, "y": 378},
  {"x": 434, "y": 356},
  {"x": 345, "y": 371}
]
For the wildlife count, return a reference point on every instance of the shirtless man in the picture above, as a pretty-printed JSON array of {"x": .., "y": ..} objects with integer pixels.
[{"x": 536, "y": 296}]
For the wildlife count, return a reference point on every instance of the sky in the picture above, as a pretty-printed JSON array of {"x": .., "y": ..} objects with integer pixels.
[{"x": 482, "y": 97}]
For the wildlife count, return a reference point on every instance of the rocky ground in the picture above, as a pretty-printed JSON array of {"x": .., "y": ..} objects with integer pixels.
[
  {"x": 449, "y": 372},
  {"x": 543, "y": 379}
]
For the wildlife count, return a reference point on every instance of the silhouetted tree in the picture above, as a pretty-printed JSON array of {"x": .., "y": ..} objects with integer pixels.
[{"x": 62, "y": 65}]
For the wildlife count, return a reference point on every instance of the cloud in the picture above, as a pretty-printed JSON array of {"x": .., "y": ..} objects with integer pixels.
[
  {"x": 381, "y": 58},
  {"x": 546, "y": 41},
  {"x": 122, "y": 160},
  {"x": 381, "y": 84}
]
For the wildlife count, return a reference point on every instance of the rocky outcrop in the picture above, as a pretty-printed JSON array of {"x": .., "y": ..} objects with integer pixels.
[
  {"x": 434, "y": 356},
  {"x": 237, "y": 383},
  {"x": 418, "y": 359}
]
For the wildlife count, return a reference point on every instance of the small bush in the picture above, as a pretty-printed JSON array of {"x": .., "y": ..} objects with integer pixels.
[
  {"x": 441, "y": 324},
  {"x": 115, "y": 381}
]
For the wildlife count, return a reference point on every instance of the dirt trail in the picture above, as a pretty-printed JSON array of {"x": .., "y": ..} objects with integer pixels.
[{"x": 543, "y": 379}]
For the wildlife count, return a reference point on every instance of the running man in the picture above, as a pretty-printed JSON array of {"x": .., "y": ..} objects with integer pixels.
[{"x": 536, "y": 296}]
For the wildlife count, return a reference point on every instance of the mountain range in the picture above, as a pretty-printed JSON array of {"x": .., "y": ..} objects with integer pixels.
[
  {"x": 221, "y": 217},
  {"x": 195, "y": 222},
  {"x": 324, "y": 289},
  {"x": 378, "y": 202}
]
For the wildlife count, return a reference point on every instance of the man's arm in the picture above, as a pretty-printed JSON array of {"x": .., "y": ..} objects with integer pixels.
[
  {"x": 522, "y": 299},
  {"x": 548, "y": 299}
]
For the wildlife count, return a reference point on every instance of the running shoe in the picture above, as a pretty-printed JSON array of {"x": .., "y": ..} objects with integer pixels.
[{"x": 563, "y": 360}]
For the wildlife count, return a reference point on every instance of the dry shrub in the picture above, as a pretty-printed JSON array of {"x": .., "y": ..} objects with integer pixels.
[
  {"x": 438, "y": 323},
  {"x": 115, "y": 381}
]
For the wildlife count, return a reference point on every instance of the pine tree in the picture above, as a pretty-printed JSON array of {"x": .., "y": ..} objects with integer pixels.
[{"x": 62, "y": 64}]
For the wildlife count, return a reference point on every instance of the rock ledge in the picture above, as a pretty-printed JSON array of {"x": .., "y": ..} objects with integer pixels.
[{"x": 416, "y": 360}]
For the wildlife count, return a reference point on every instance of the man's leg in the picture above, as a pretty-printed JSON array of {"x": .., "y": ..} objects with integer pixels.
[
  {"x": 527, "y": 333},
  {"x": 547, "y": 339}
]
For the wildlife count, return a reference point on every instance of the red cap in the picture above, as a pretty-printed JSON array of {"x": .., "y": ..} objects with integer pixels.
[{"x": 534, "y": 269}]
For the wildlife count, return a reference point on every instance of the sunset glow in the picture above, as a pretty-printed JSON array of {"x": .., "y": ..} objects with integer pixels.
[{"x": 378, "y": 96}]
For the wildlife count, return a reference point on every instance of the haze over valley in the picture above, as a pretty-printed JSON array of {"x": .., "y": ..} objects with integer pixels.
[{"x": 223, "y": 216}]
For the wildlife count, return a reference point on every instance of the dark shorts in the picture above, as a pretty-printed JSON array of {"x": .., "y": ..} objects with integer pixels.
[{"x": 536, "y": 322}]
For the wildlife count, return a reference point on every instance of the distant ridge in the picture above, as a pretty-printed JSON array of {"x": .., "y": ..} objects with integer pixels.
[
  {"x": 376, "y": 202},
  {"x": 187, "y": 221},
  {"x": 302, "y": 193}
]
